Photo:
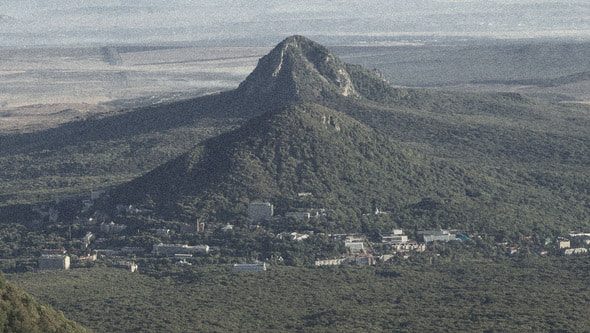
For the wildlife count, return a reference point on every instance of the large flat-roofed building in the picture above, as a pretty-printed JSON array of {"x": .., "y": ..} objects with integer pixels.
[
  {"x": 389, "y": 238},
  {"x": 437, "y": 236},
  {"x": 260, "y": 211},
  {"x": 355, "y": 247},
  {"x": 54, "y": 262}
]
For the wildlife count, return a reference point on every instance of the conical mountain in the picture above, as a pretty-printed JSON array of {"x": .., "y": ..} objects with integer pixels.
[
  {"x": 299, "y": 148},
  {"x": 329, "y": 129},
  {"x": 299, "y": 69}
]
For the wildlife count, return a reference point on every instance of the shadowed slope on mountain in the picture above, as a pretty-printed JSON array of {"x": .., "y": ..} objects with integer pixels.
[
  {"x": 135, "y": 122},
  {"x": 299, "y": 148}
]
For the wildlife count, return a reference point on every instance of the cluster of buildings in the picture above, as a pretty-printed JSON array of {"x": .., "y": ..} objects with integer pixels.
[
  {"x": 581, "y": 238},
  {"x": 360, "y": 250}
]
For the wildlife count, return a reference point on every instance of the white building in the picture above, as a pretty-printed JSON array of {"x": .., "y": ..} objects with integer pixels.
[
  {"x": 579, "y": 250},
  {"x": 54, "y": 262},
  {"x": 172, "y": 249},
  {"x": 130, "y": 265},
  {"x": 563, "y": 243},
  {"x": 437, "y": 236},
  {"x": 162, "y": 232},
  {"x": 391, "y": 239},
  {"x": 330, "y": 262},
  {"x": 355, "y": 247},
  {"x": 86, "y": 239}
]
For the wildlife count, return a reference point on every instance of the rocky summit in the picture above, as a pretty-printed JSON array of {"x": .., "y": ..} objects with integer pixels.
[{"x": 301, "y": 69}]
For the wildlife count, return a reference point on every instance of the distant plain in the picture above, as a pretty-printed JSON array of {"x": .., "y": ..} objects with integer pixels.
[{"x": 43, "y": 87}]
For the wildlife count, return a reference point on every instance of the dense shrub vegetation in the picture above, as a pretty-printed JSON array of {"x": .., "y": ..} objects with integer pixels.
[
  {"x": 540, "y": 294},
  {"x": 20, "y": 313}
]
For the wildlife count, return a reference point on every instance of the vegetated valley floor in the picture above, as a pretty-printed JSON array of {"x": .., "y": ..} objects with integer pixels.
[{"x": 460, "y": 294}]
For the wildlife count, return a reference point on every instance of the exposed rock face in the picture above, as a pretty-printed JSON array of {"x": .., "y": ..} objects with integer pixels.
[{"x": 299, "y": 69}]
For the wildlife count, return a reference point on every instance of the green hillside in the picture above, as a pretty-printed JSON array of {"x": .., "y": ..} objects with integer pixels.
[
  {"x": 19, "y": 312},
  {"x": 301, "y": 148}
]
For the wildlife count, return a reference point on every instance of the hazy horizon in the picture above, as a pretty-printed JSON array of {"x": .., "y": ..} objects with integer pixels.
[{"x": 83, "y": 22}]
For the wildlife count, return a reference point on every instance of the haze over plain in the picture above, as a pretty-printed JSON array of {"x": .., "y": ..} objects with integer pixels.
[
  {"x": 52, "y": 51},
  {"x": 51, "y": 22}
]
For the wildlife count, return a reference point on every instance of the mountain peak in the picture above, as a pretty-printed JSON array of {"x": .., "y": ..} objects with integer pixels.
[{"x": 298, "y": 69}]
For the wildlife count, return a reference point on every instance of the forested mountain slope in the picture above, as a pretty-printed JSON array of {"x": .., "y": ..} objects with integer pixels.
[{"x": 341, "y": 133}]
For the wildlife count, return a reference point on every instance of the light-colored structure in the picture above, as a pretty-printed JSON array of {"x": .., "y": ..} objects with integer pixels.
[
  {"x": 54, "y": 262},
  {"x": 162, "y": 232},
  {"x": 330, "y": 262},
  {"x": 87, "y": 238},
  {"x": 437, "y": 236},
  {"x": 410, "y": 245},
  {"x": 255, "y": 267},
  {"x": 354, "y": 238},
  {"x": 579, "y": 234},
  {"x": 130, "y": 265},
  {"x": 579, "y": 250},
  {"x": 228, "y": 227},
  {"x": 391, "y": 239},
  {"x": 172, "y": 249},
  {"x": 563, "y": 243},
  {"x": 295, "y": 236},
  {"x": 355, "y": 247},
  {"x": 260, "y": 211}
]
